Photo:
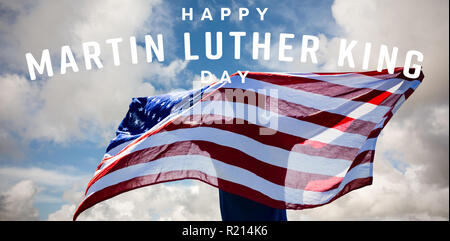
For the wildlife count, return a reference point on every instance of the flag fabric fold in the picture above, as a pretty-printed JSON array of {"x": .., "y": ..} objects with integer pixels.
[{"x": 286, "y": 140}]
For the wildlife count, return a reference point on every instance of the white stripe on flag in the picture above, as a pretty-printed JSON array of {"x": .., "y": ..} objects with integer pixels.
[{"x": 361, "y": 81}]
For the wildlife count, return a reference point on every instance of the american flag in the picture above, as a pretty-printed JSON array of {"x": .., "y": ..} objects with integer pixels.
[{"x": 287, "y": 140}]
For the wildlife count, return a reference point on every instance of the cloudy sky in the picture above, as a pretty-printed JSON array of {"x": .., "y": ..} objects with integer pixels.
[{"x": 53, "y": 131}]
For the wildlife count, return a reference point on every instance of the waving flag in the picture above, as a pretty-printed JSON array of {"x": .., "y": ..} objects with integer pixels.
[{"x": 289, "y": 141}]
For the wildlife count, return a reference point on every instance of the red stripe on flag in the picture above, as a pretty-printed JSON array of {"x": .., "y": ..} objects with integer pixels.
[
  {"x": 381, "y": 97},
  {"x": 320, "y": 87},
  {"x": 374, "y": 73},
  {"x": 344, "y": 124},
  {"x": 384, "y": 74},
  {"x": 363, "y": 157}
]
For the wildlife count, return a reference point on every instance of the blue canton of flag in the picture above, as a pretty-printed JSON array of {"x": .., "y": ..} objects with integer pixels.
[{"x": 146, "y": 112}]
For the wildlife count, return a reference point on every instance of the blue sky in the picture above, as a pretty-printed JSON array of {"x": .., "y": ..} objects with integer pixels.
[{"x": 61, "y": 126}]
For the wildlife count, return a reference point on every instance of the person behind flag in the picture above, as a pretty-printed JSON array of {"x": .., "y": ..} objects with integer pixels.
[{"x": 236, "y": 208}]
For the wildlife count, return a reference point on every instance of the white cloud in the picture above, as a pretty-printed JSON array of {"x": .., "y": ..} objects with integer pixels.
[
  {"x": 19, "y": 97},
  {"x": 39, "y": 176},
  {"x": 198, "y": 201},
  {"x": 24, "y": 189},
  {"x": 417, "y": 25},
  {"x": 17, "y": 202}
]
